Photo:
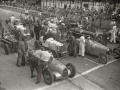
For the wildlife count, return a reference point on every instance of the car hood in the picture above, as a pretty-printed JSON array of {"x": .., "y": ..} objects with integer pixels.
[
  {"x": 57, "y": 66},
  {"x": 99, "y": 45},
  {"x": 77, "y": 31}
]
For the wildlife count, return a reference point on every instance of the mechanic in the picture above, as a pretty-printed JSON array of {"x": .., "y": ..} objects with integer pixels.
[
  {"x": 104, "y": 38},
  {"x": 24, "y": 58},
  {"x": 72, "y": 41},
  {"x": 21, "y": 51},
  {"x": 12, "y": 19},
  {"x": 37, "y": 29},
  {"x": 113, "y": 33},
  {"x": 30, "y": 21},
  {"x": 39, "y": 17},
  {"x": 21, "y": 17},
  {"x": 39, "y": 59},
  {"x": 82, "y": 46}
]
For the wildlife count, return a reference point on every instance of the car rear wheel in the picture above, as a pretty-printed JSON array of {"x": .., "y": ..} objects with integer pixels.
[
  {"x": 116, "y": 53},
  {"x": 6, "y": 49},
  {"x": 72, "y": 69},
  {"x": 48, "y": 77},
  {"x": 103, "y": 58}
]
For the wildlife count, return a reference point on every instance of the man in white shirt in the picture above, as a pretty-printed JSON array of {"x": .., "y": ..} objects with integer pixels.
[
  {"x": 38, "y": 60},
  {"x": 12, "y": 18},
  {"x": 82, "y": 46}
]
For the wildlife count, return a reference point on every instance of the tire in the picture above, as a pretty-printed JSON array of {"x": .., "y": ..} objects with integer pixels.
[
  {"x": 37, "y": 44},
  {"x": 116, "y": 53},
  {"x": 70, "y": 50},
  {"x": 48, "y": 77},
  {"x": 102, "y": 58},
  {"x": 6, "y": 49},
  {"x": 72, "y": 68},
  {"x": 31, "y": 33}
]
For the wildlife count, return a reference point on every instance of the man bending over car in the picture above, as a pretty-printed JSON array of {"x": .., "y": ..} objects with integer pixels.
[{"x": 39, "y": 59}]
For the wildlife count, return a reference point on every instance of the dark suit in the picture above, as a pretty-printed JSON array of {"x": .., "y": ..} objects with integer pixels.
[
  {"x": 104, "y": 39},
  {"x": 37, "y": 29}
]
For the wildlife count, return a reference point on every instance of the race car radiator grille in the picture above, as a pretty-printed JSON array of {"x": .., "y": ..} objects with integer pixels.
[{"x": 65, "y": 73}]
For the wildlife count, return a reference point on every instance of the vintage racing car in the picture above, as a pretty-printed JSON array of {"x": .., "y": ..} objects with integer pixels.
[
  {"x": 11, "y": 42},
  {"x": 78, "y": 32},
  {"x": 56, "y": 70},
  {"x": 94, "y": 48},
  {"x": 56, "y": 47},
  {"x": 99, "y": 38}
]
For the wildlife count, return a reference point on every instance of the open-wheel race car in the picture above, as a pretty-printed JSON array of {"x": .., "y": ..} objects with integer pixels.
[
  {"x": 57, "y": 48},
  {"x": 55, "y": 70},
  {"x": 10, "y": 41},
  {"x": 99, "y": 37},
  {"x": 94, "y": 48},
  {"x": 10, "y": 44},
  {"x": 78, "y": 32}
]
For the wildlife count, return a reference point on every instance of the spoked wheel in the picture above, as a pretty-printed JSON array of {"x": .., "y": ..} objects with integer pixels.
[
  {"x": 6, "y": 49},
  {"x": 103, "y": 58},
  {"x": 116, "y": 53},
  {"x": 72, "y": 69},
  {"x": 48, "y": 77}
]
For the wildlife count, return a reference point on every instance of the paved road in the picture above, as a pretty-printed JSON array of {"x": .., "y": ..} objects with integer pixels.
[{"x": 91, "y": 74}]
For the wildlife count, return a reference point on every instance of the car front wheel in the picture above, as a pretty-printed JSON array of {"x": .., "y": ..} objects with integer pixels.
[
  {"x": 72, "y": 69},
  {"x": 116, "y": 53},
  {"x": 103, "y": 58},
  {"x": 48, "y": 77}
]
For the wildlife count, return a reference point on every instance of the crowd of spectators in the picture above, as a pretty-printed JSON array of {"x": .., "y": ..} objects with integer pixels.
[{"x": 77, "y": 12}]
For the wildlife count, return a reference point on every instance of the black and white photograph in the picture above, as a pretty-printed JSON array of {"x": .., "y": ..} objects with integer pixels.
[{"x": 59, "y": 44}]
